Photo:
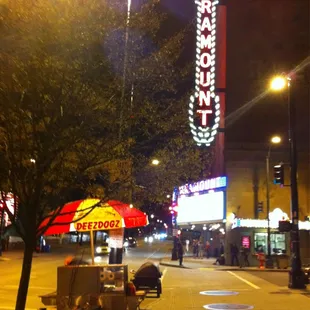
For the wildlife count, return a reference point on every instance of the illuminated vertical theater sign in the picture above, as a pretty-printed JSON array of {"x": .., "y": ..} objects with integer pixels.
[{"x": 204, "y": 106}]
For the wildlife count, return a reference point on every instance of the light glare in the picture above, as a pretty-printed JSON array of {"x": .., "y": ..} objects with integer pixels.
[
  {"x": 278, "y": 83},
  {"x": 155, "y": 162},
  {"x": 276, "y": 139}
]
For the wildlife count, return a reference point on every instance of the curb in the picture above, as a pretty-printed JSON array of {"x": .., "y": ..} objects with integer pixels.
[
  {"x": 174, "y": 266},
  {"x": 224, "y": 269}
]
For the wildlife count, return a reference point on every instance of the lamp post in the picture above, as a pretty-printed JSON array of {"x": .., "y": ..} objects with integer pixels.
[
  {"x": 273, "y": 140},
  {"x": 296, "y": 275}
]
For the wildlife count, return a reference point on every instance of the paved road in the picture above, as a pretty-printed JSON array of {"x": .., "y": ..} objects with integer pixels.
[{"x": 181, "y": 287}]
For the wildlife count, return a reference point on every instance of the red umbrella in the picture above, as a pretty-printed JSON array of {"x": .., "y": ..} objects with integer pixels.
[{"x": 90, "y": 215}]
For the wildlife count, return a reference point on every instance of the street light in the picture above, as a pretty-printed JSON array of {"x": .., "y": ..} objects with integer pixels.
[
  {"x": 296, "y": 275},
  {"x": 278, "y": 83},
  {"x": 273, "y": 140},
  {"x": 155, "y": 162}
]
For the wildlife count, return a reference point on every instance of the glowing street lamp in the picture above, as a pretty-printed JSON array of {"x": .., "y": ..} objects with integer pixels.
[
  {"x": 155, "y": 162},
  {"x": 273, "y": 140},
  {"x": 278, "y": 83},
  {"x": 296, "y": 275}
]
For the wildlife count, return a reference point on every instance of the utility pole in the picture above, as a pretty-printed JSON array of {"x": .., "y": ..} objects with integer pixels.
[{"x": 296, "y": 275}]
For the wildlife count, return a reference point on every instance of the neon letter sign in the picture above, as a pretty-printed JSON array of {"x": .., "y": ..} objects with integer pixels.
[{"x": 204, "y": 106}]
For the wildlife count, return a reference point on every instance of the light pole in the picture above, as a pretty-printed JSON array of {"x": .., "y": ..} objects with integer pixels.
[
  {"x": 296, "y": 275},
  {"x": 273, "y": 140}
]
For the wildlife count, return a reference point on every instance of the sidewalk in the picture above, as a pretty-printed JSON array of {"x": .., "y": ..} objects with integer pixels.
[{"x": 196, "y": 263}]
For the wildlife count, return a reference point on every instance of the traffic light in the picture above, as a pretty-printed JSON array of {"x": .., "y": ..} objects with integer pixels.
[
  {"x": 278, "y": 173},
  {"x": 260, "y": 206}
]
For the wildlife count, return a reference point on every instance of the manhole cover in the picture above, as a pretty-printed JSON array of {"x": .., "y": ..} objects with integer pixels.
[
  {"x": 219, "y": 293},
  {"x": 227, "y": 306}
]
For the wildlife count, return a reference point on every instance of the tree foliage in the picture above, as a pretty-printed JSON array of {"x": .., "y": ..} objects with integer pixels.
[{"x": 64, "y": 79}]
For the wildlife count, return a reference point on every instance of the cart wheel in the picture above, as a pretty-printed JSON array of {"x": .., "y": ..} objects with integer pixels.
[{"x": 159, "y": 287}]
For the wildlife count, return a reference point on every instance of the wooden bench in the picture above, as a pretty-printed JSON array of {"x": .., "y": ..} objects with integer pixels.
[{"x": 135, "y": 300}]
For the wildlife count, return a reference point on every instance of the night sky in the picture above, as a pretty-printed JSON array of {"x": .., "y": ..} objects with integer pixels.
[{"x": 264, "y": 38}]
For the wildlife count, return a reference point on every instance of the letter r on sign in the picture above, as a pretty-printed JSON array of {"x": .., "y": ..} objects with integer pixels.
[{"x": 206, "y": 6}]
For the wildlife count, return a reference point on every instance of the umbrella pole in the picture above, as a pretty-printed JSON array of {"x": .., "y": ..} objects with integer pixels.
[{"x": 92, "y": 247}]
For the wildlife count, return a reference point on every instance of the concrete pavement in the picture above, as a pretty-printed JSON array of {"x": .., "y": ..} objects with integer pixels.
[
  {"x": 189, "y": 262},
  {"x": 195, "y": 263}
]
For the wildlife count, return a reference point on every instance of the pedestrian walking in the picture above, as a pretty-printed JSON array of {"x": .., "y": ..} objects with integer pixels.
[{"x": 180, "y": 253}]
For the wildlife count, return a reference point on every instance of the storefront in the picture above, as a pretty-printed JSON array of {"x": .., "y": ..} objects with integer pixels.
[
  {"x": 201, "y": 211},
  {"x": 252, "y": 234}
]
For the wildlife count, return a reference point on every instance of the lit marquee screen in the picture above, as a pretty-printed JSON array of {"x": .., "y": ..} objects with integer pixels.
[{"x": 201, "y": 208}]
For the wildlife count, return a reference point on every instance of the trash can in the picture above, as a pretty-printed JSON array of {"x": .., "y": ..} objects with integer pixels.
[
  {"x": 282, "y": 262},
  {"x": 148, "y": 277}
]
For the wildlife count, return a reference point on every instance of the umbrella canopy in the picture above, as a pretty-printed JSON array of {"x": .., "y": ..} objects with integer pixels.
[{"x": 91, "y": 214}]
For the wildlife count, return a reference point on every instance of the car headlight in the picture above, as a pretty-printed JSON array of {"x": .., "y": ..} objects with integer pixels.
[
  {"x": 98, "y": 250},
  {"x": 125, "y": 243},
  {"x": 151, "y": 239}
]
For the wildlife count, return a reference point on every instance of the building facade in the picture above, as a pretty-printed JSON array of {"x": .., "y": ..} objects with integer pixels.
[{"x": 240, "y": 217}]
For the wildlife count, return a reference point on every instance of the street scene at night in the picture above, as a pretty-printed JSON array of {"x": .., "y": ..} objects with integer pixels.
[{"x": 154, "y": 154}]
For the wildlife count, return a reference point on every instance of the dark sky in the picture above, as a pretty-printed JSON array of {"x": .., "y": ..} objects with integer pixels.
[{"x": 264, "y": 37}]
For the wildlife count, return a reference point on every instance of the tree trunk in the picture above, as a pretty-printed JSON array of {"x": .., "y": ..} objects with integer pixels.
[{"x": 24, "y": 279}]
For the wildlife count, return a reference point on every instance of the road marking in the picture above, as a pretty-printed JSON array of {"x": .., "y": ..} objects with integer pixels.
[
  {"x": 152, "y": 254},
  {"x": 30, "y": 287},
  {"x": 164, "y": 273},
  {"x": 244, "y": 280}
]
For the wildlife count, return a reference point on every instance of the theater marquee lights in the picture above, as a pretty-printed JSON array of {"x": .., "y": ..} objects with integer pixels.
[{"x": 204, "y": 106}]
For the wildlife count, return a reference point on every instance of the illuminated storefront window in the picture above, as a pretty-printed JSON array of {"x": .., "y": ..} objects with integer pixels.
[{"x": 278, "y": 243}]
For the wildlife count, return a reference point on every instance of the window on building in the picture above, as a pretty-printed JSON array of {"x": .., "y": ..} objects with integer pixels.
[{"x": 277, "y": 243}]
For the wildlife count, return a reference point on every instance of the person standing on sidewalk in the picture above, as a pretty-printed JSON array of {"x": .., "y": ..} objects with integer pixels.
[
  {"x": 208, "y": 249},
  {"x": 180, "y": 253},
  {"x": 200, "y": 249},
  {"x": 234, "y": 254},
  {"x": 244, "y": 261}
]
